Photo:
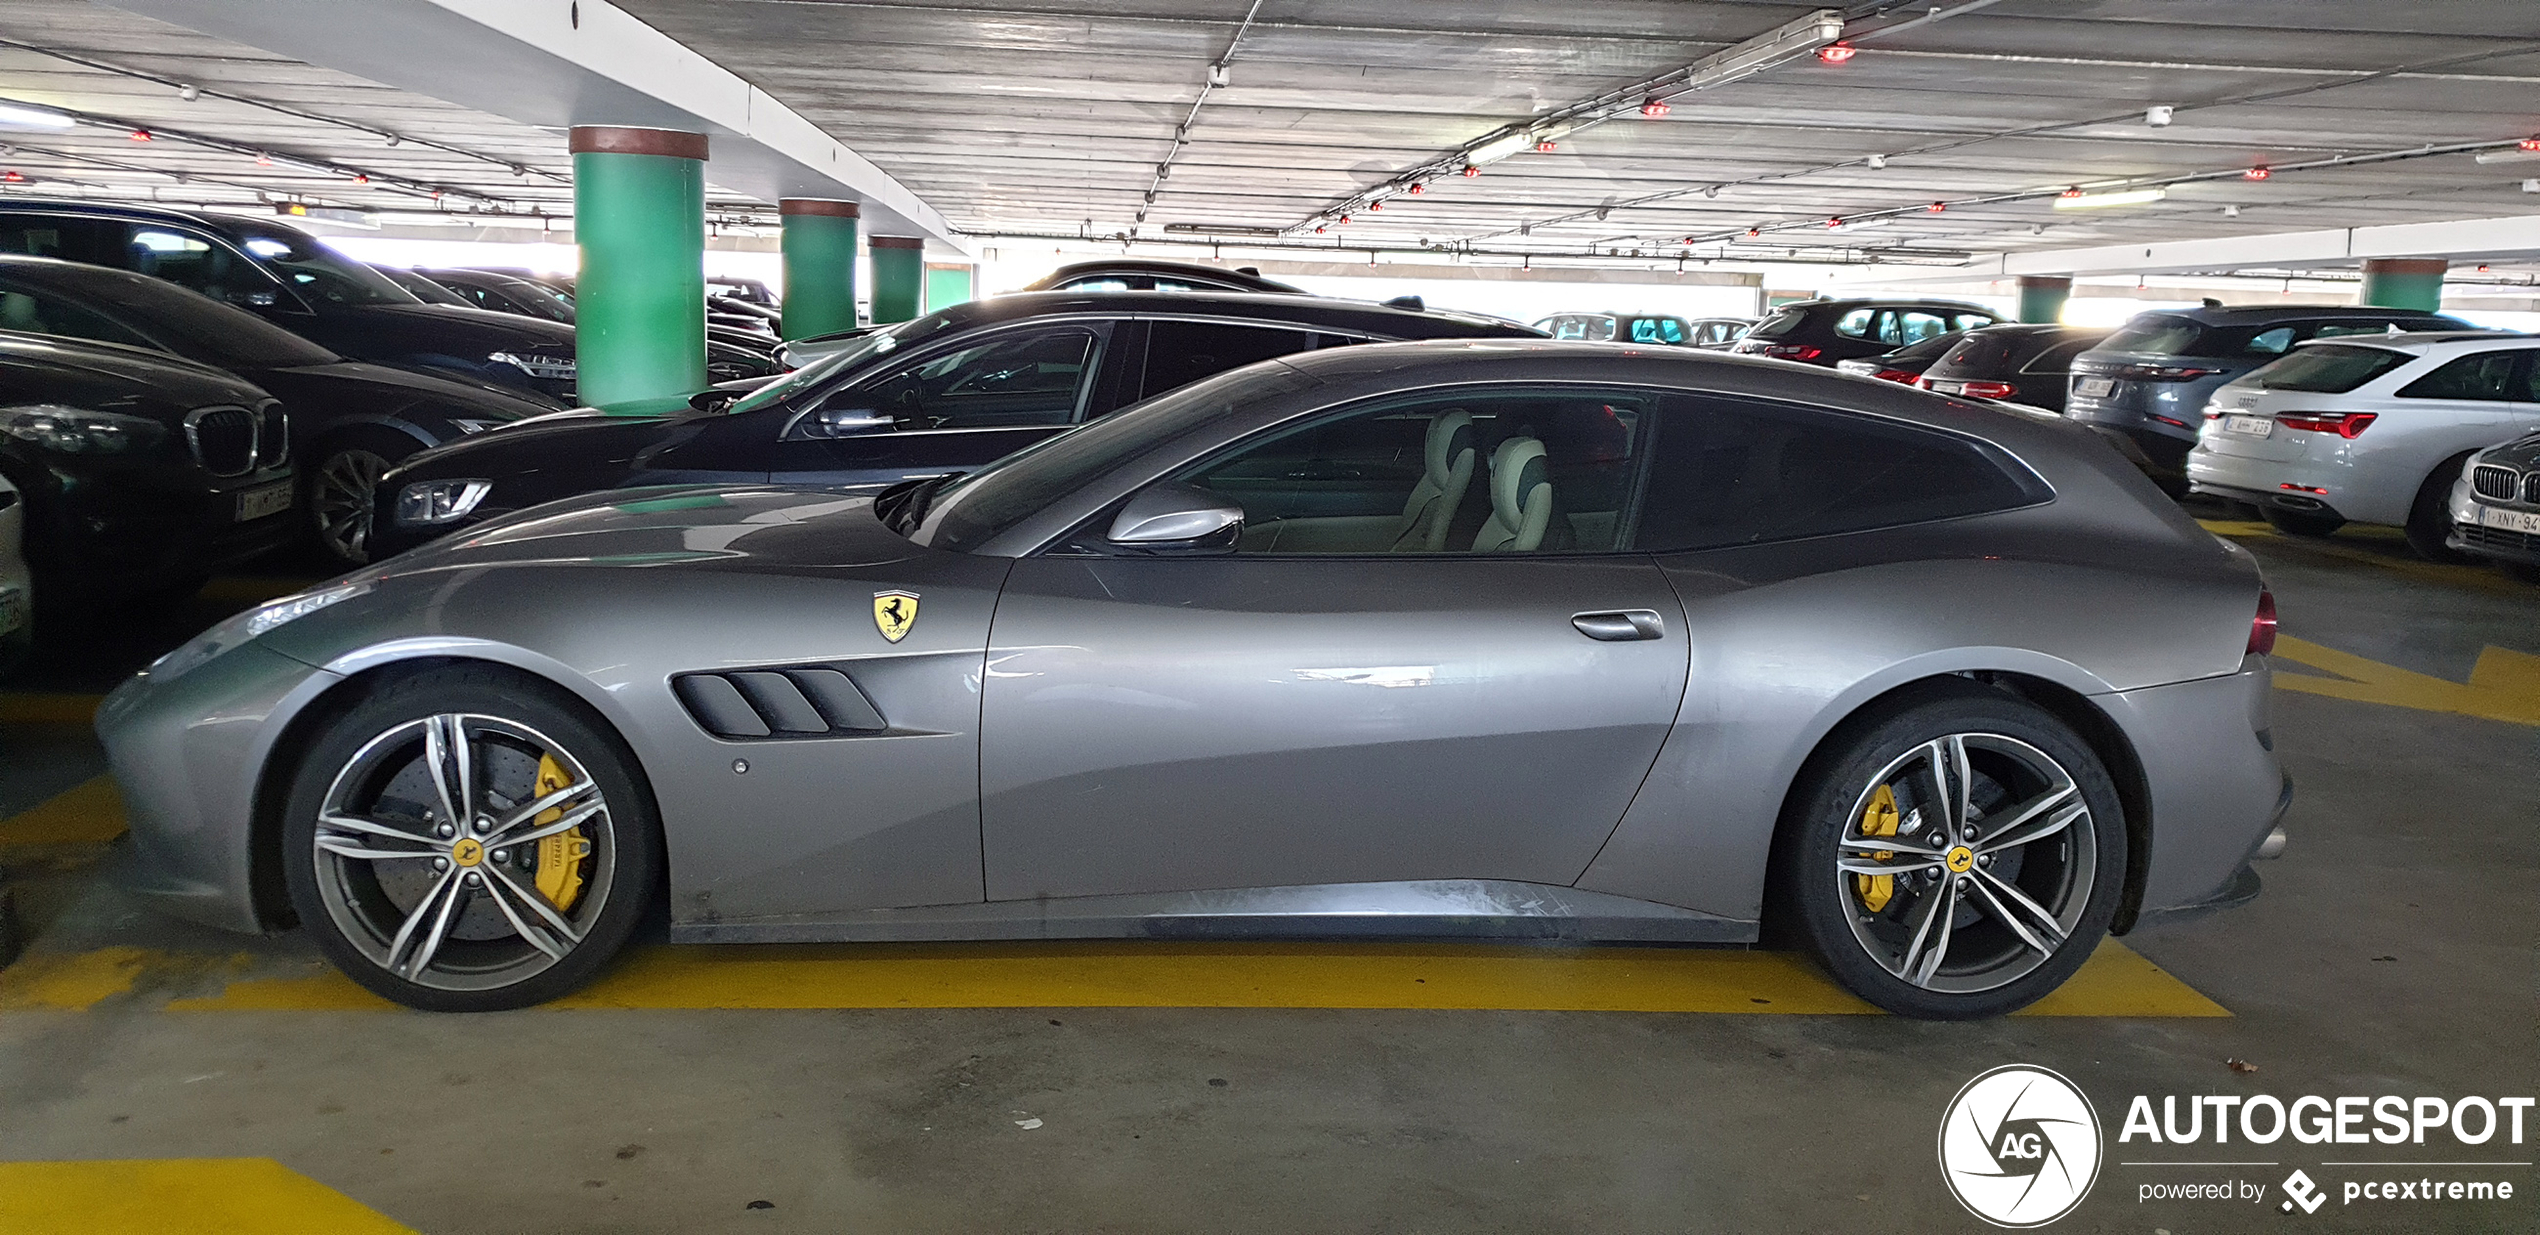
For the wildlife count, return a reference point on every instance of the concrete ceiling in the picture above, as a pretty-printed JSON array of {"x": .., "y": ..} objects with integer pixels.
[{"x": 1033, "y": 117}]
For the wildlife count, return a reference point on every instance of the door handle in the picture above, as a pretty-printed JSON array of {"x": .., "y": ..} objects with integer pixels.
[{"x": 1621, "y": 625}]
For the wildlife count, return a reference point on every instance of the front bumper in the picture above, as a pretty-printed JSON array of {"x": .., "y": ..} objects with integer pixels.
[
  {"x": 2470, "y": 535},
  {"x": 189, "y": 756},
  {"x": 2216, "y": 789},
  {"x": 111, "y": 528}
]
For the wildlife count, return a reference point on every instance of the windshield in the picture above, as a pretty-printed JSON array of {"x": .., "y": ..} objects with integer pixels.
[
  {"x": 177, "y": 320},
  {"x": 319, "y": 274},
  {"x": 973, "y": 510},
  {"x": 2331, "y": 369},
  {"x": 855, "y": 353}
]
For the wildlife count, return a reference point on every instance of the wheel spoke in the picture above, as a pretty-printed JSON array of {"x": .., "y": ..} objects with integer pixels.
[
  {"x": 537, "y": 937},
  {"x": 572, "y": 819},
  {"x": 523, "y": 814},
  {"x": 436, "y": 760},
  {"x": 422, "y": 958},
  {"x": 537, "y": 904},
  {"x": 2057, "y": 822},
  {"x": 423, "y": 908},
  {"x": 1997, "y": 888},
  {"x": 1947, "y": 894},
  {"x": 1867, "y": 866},
  {"x": 2001, "y": 822},
  {"x": 1925, "y": 909},
  {"x": 372, "y": 827},
  {"x": 347, "y": 847},
  {"x": 1877, "y": 844}
]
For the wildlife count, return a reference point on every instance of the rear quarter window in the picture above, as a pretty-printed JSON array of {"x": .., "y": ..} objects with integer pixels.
[
  {"x": 1726, "y": 471},
  {"x": 1782, "y": 322}
]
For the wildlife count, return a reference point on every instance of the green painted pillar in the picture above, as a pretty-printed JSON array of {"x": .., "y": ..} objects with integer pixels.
[
  {"x": 2404, "y": 283},
  {"x": 947, "y": 284},
  {"x": 819, "y": 244},
  {"x": 899, "y": 277},
  {"x": 639, "y": 215},
  {"x": 2042, "y": 297}
]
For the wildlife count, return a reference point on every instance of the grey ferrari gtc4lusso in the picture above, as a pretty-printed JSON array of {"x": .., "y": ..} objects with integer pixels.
[{"x": 1514, "y": 638}]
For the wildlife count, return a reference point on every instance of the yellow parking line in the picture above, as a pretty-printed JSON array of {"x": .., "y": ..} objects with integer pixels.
[
  {"x": 89, "y": 813},
  {"x": 2504, "y": 684},
  {"x": 18, "y": 707},
  {"x": 1137, "y": 974},
  {"x": 178, "y": 1196},
  {"x": 2476, "y": 578}
]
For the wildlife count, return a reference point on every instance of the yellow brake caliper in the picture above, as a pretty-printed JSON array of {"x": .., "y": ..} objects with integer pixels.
[
  {"x": 1877, "y": 819},
  {"x": 560, "y": 856}
]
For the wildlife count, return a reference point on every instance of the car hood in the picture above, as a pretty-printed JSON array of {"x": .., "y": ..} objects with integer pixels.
[
  {"x": 758, "y": 528},
  {"x": 584, "y": 438},
  {"x": 353, "y": 387},
  {"x": 2523, "y": 452},
  {"x": 424, "y": 328}
]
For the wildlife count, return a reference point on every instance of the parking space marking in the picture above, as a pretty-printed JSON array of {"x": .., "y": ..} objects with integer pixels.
[
  {"x": 19, "y": 707},
  {"x": 2504, "y": 684},
  {"x": 90, "y": 812},
  {"x": 2475, "y": 578},
  {"x": 2116, "y": 982},
  {"x": 178, "y": 1196}
]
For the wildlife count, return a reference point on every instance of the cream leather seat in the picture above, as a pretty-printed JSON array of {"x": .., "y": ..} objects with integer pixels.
[
  {"x": 1520, "y": 499},
  {"x": 1448, "y": 473}
]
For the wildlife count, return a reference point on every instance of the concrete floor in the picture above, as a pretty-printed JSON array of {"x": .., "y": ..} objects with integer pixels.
[{"x": 2392, "y": 953}]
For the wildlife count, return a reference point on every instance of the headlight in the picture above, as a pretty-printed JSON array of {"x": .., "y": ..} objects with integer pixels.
[
  {"x": 544, "y": 368},
  {"x": 75, "y": 431},
  {"x": 426, "y": 502},
  {"x": 245, "y": 626}
]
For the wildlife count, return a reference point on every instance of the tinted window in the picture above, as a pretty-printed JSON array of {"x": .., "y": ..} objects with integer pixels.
[
  {"x": 33, "y": 311},
  {"x": 2157, "y": 334},
  {"x": 1862, "y": 323},
  {"x": 171, "y": 319},
  {"x": 1529, "y": 470},
  {"x": 1179, "y": 353},
  {"x": 1915, "y": 325},
  {"x": 1730, "y": 472},
  {"x": 1594, "y": 327},
  {"x": 320, "y": 274},
  {"x": 1658, "y": 330},
  {"x": 1972, "y": 321},
  {"x": 2274, "y": 341},
  {"x": 2059, "y": 358},
  {"x": 1782, "y": 322},
  {"x": 198, "y": 263},
  {"x": 2480, "y": 375},
  {"x": 1014, "y": 378},
  {"x": 2331, "y": 370},
  {"x": 1928, "y": 349},
  {"x": 97, "y": 242}
]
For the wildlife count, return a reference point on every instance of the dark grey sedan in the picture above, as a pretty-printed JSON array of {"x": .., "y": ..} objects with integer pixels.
[{"x": 1509, "y": 638}]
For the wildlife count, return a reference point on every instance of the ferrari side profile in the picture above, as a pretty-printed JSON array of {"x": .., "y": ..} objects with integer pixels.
[{"x": 1503, "y": 638}]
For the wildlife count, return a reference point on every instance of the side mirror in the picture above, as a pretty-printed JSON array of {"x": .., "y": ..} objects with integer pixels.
[
  {"x": 1173, "y": 518},
  {"x": 253, "y": 300},
  {"x": 847, "y": 422}
]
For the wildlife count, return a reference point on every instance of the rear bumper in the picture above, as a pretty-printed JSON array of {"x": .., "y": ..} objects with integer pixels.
[
  {"x": 2293, "y": 485},
  {"x": 2216, "y": 789}
]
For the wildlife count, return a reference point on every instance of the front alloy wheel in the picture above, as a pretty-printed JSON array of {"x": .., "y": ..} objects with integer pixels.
[
  {"x": 341, "y": 490},
  {"x": 463, "y": 843},
  {"x": 1966, "y": 859}
]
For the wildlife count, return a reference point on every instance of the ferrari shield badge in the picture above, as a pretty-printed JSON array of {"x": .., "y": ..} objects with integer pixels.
[{"x": 894, "y": 612}]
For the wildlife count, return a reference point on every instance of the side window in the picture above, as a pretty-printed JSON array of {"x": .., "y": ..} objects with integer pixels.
[
  {"x": 2273, "y": 342},
  {"x": 1014, "y": 378},
  {"x": 1179, "y": 353},
  {"x": 96, "y": 242},
  {"x": 1860, "y": 323},
  {"x": 1104, "y": 283},
  {"x": 1517, "y": 470},
  {"x": 1917, "y": 325},
  {"x": 1972, "y": 321},
  {"x": 37, "y": 312},
  {"x": 2484, "y": 376},
  {"x": 1658, "y": 330},
  {"x": 191, "y": 261},
  {"x": 1725, "y": 471}
]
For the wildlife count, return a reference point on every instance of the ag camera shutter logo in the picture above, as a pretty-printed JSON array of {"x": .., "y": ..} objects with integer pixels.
[{"x": 2019, "y": 1146}]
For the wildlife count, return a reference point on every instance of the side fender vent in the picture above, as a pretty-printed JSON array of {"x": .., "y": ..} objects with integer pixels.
[{"x": 777, "y": 703}]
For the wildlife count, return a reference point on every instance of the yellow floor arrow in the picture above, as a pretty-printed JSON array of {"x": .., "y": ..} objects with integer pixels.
[{"x": 2504, "y": 684}]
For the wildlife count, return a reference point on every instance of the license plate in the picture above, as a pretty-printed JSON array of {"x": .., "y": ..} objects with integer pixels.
[
  {"x": 2094, "y": 387},
  {"x": 13, "y": 611},
  {"x": 2254, "y": 426},
  {"x": 269, "y": 500},
  {"x": 2524, "y": 521}
]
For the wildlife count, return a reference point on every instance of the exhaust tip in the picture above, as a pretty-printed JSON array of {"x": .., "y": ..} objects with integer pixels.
[{"x": 2272, "y": 846}]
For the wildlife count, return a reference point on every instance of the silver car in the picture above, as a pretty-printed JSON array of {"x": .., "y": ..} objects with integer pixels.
[
  {"x": 2367, "y": 429},
  {"x": 1507, "y": 638}
]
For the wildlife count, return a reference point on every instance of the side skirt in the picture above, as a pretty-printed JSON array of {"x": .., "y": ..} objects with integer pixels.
[{"x": 1411, "y": 909}]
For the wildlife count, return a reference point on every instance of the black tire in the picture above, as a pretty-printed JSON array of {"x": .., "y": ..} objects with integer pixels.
[
  {"x": 2430, "y": 515},
  {"x": 2297, "y": 523},
  {"x": 479, "y": 955},
  {"x": 1983, "y": 967},
  {"x": 339, "y": 478}
]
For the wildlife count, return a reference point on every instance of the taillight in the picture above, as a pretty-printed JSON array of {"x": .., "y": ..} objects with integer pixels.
[
  {"x": 1790, "y": 351},
  {"x": 2160, "y": 373},
  {"x": 1906, "y": 376},
  {"x": 1988, "y": 390},
  {"x": 2262, "y": 627},
  {"x": 2349, "y": 426},
  {"x": 2179, "y": 424}
]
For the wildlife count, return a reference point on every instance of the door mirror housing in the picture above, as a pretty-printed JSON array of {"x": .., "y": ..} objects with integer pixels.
[{"x": 1177, "y": 518}]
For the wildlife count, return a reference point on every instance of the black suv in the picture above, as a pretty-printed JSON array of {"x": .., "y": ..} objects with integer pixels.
[
  {"x": 2017, "y": 363},
  {"x": 1825, "y": 332},
  {"x": 944, "y": 393},
  {"x": 286, "y": 276}
]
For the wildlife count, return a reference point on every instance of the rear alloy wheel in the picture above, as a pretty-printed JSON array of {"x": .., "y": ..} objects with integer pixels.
[
  {"x": 462, "y": 842},
  {"x": 2296, "y": 523},
  {"x": 342, "y": 486},
  {"x": 1959, "y": 859},
  {"x": 2430, "y": 515}
]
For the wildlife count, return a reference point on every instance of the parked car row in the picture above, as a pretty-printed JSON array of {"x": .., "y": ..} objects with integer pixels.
[{"x": 1710, "y": 332}]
